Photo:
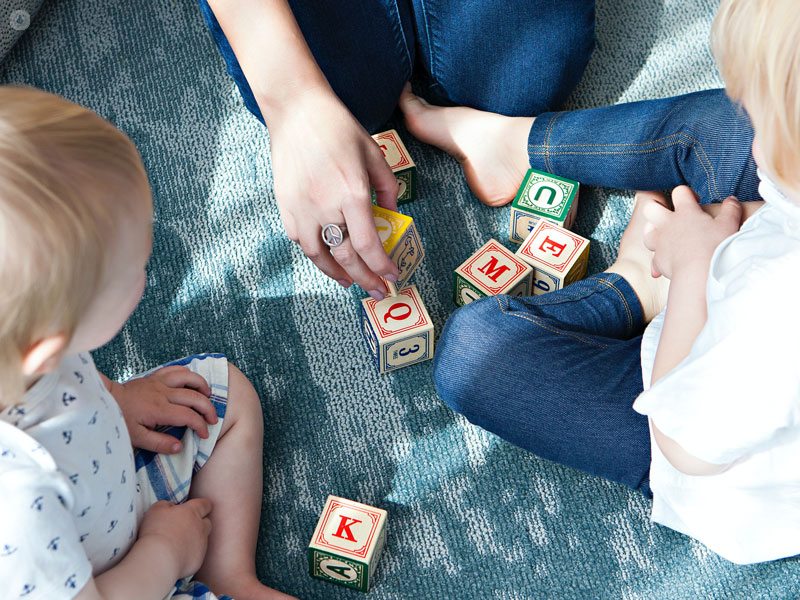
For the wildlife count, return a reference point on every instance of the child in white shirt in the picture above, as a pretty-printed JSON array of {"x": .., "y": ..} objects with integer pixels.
[
  {"x": 82, "y": 517},
  {"x": 701, "y": 410}
]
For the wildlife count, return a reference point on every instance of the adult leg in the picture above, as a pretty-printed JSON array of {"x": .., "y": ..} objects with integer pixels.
[
  {"x": 519, "y": 57},
  {"x": 701, "y": 139},
  {"x": 365, "y": 49}
]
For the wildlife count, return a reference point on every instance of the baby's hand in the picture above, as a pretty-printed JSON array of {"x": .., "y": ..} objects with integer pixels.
[
  {"x": 171, "y": 396},
  {"x": 183, "y": 529},
  {"x": 686, "y": 237}
]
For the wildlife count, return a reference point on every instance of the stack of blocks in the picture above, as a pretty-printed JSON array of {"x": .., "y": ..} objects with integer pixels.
[
  {"x": 398, "y": 329},
  {"x": 347, "y": 543},
  {"x": 550, "y": 257}
]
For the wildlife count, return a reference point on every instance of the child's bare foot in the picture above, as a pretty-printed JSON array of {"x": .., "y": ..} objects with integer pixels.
[
  {"x": 248, "y": 587},
  {"x": 634, "y": 259},
  {"x": 492, "y": 149}
]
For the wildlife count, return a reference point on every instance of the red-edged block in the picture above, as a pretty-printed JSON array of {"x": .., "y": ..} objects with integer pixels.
[
  {"x": 347, "y": 543},
  {"x": 492, "y": 270},
  {"x": 557, "y": 255},
  {"x": 398, "y": 329}
]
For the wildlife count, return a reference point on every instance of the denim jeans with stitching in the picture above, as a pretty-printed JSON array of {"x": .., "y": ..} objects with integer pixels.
[
  {"x": 555, "y": 374},
  {"x": 518, "y": 57}
]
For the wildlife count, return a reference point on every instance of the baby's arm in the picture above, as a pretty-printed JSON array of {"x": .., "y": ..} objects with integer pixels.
[
  {"x": 684, "y": 241},
  {"x": 172, "y": 544}
]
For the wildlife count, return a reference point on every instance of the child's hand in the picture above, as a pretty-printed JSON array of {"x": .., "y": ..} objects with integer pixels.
[
  {"x": 686, "y": 237},
  {"x": 183, "y": 529},
  {"x": 171, "y": 396}
]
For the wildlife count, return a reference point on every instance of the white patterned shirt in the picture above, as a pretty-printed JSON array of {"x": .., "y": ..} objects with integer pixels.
[
  {"x": 736, "y": 396},
  {"x": 69, "y": 503}
]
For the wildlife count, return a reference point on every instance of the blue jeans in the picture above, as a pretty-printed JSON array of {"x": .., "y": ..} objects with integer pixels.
[
  {"x": 555, "y": 374},
  {"x": 518, "y": 57}
]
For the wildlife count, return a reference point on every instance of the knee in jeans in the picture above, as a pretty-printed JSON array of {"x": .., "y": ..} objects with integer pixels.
[{"x": 470, "y": 346}]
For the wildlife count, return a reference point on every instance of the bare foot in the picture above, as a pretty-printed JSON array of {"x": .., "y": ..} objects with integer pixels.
[
  {"x": 248, "y": 587},
  {"x": 492, "y": 149},
  {"x": 634, "y": 259}
]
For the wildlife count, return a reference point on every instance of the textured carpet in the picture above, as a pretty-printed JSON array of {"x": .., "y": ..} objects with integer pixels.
[{"x": 469, "y": 515}]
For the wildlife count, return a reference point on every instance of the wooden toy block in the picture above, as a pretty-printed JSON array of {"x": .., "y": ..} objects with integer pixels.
[
  {"x": 492, "y": 270},
  {"x": 557, "y": 255},
  {"x": 403, "y": 167},
  {"x": 400, "y": 240},
  {"x": 398, "y": 329},
  {"x": 542, "y": 196},
  {"x": 347, "y": 543}
]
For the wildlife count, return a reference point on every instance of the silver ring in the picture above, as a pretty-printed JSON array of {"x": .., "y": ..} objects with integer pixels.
[{"x": 333, "y": 235}]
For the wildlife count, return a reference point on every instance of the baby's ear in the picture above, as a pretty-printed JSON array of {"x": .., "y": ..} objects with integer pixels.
[{"x": 44, "y": 355}]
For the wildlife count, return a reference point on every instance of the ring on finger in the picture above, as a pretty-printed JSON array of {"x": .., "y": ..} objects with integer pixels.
[{"x": 333, "y": 235}]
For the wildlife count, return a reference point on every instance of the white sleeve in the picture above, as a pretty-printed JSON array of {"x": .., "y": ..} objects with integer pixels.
[
  {"x": 738, "y": 391},
  {"x": 41, "y": 555}
]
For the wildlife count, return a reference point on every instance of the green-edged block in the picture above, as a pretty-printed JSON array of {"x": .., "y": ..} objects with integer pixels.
[
  {"x": 464, "y": 292},
  {"x": 338, "y": 569},
  {"x": 542, "y": 196},
  {"x": 407, "y": 181}
]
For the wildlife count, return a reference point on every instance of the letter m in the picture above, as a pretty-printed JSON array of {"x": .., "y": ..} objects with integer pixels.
[{"x": 492, "y": 271}]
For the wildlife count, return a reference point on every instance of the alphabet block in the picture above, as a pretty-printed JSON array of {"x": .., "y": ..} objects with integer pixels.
[
  {"x": 557, "y": 255},
  {"x": 398, "y": 329},
  {"x": 400, "y": 240},
  {"x": 347, "y": 543},
  {"x": 403, "y": 167},
  {"x": 492, "y": 270},
  {"x": 542, "y": 196}
]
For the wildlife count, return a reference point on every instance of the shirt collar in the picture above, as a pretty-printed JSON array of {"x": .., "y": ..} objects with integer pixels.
[{"x": 772, "y": 195}]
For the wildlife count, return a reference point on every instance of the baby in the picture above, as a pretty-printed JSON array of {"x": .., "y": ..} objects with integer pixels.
[{"x": 84, "y": 516}]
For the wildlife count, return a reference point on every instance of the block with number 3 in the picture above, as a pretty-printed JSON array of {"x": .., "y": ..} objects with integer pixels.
[
  {"x": 400, "y": 240},
  {"x": 492, "y": 270},
  {"x": 403, "y": 167},
  {"x": 347, "y": 543},
  {"x": 557, "y": 255},
  {"x": 398, "y": 329},
  {"x": 542, "y": 196}
]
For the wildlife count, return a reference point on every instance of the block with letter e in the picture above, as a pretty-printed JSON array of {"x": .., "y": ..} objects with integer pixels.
[
  {"x": 492, "y": 270},
  {"x": 399, "y": 160},
  {"x": 398, "y": 329},
  {"x": 347, "y": 543},
  {"x": 400, "y": 240},
  {"x": 542, "y": 196},
  {"x": 557, "y": 255}
]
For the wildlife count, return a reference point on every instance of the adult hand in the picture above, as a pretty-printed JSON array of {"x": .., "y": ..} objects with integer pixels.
[
  {"x": 686, "y": 237},
  {"x": 324, "y": 164},
  {"x": 183, "y": 529},
  {"x": 173, "y": 395}
]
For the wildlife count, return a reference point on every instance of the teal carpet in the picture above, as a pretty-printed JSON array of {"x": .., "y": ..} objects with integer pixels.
[{"x": 470, "y": 517}]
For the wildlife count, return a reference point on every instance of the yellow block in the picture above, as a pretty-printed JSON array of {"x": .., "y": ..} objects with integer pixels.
[{"x": 400, "y": 241}]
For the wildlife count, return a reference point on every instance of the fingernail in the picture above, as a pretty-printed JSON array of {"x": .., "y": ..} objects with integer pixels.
[
  {"x": 377, "y": 294},
  {"x": 175, "y": 448},
  {"x": 345, "y": 283},
  {"x": 391, "y": 277}
]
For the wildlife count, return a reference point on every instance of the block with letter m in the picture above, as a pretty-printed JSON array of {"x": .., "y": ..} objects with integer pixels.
[{"x": 491, "y": 270}]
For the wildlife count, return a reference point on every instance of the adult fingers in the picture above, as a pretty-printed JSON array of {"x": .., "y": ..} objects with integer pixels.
[
  {"x": 381, "y": 179},
  {"x": 346, "y": 255},
  {"x": 320, "y": 254},
  {"x": 366, "y": 242}
]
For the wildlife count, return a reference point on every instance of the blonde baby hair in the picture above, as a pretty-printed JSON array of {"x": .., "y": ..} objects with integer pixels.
[
  {"x": 65, "y": 175},
  {"x": 757, "y": 46}
]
